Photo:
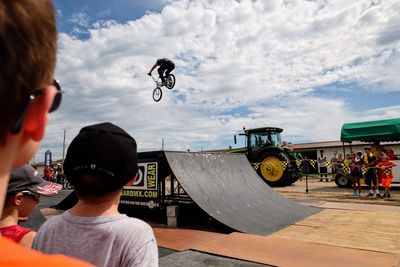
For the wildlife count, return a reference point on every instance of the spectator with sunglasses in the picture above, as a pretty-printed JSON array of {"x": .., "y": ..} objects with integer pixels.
[
  {"x": 23, "y": 192},
  {"x": 28, "y": 44}
]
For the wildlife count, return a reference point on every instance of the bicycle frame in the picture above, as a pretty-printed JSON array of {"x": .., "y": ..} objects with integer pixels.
[{"x": 158, "y": 82}]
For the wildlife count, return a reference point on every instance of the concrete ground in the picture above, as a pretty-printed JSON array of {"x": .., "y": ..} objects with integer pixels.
[{"x": 348, "y": 232}]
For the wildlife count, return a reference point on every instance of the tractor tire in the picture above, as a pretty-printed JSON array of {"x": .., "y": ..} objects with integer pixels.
[
  {"x": 272, "y": 171},
  {"x": 343, "y": 180}
]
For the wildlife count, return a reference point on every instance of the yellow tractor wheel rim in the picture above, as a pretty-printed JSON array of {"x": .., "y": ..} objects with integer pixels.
[{"x": 271, "y": 169}]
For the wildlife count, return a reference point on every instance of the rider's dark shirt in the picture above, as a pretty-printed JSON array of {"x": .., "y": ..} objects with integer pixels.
[{"x": 162, "y": 61}]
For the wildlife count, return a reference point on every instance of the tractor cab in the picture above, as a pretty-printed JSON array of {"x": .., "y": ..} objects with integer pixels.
[
  {"x": 259, "y": 139},
  {"x": 262, "y": 137}
]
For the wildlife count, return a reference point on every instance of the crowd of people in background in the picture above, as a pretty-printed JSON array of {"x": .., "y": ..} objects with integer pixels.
[
  {"x": 54, "y": 173},
  {"x": 374, "y": 166}
]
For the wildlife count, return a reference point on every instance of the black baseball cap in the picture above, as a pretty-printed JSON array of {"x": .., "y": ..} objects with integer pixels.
[
  {"x": 27, "y": 178},
  {"x": 104, "y": 151}
]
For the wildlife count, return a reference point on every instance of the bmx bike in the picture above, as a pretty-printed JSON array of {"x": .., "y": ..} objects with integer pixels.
[{"x": 169, "y": 83}]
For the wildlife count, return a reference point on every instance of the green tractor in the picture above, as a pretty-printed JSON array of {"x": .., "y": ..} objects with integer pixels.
[{"x": 274, "y": 163}]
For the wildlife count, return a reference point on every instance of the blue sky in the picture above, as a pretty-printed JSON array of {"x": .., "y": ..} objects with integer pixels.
[
  {"x": 304, "y": 66},
  {"x": 73, "y": 14}
]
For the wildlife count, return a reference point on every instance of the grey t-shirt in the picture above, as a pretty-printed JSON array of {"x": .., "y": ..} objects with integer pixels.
[{"x": 116, "y": 240}]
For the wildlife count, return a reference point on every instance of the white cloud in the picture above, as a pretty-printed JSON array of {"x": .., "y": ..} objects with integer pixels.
[
  {"x": 239, "y": 63},
  {"x": 80, "y": 18}
]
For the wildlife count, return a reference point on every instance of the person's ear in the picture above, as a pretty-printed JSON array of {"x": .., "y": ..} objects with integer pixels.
[
  {"x": 36, "y": 118},
  {"x": 17, "y": 199}
]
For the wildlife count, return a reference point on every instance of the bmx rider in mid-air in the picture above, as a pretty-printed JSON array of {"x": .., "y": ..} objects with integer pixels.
[{"x": 165, "y": 67}]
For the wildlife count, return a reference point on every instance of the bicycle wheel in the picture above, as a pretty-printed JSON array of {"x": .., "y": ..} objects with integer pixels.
[
  {"x": 170, "y": 83},
  {"x": 157, "y": 94}
]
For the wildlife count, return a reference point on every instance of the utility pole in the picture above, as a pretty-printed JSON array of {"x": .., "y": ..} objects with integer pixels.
[
  {"x": 162, "y": 144},
  {"x": 63, "y": 147}
]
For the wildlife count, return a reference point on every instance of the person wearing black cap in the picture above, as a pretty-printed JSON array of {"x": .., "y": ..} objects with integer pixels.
[
  {"x": 23, "y": 192},
  {"x": 100, "y": 160}
]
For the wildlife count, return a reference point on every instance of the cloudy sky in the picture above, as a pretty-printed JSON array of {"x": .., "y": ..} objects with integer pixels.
[{"x": 307, "y": 66}]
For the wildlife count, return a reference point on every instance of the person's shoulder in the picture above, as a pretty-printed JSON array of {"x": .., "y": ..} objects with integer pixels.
[
  {"x": 27, "y": 239},
  {"x": 137, "y": 222},
  {"x": 12, "y": 254},
  {"x": 136, "y": 227},
  {"x": 51, "y": 223}
]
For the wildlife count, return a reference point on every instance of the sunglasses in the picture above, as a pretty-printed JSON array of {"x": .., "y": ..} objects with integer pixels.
[
  {"x": 32, "y": 195},
  {"x": 54, "y": 106}
]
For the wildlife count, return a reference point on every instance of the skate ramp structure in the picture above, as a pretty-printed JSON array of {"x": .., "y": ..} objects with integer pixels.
[{"x": 229, "y": 190}]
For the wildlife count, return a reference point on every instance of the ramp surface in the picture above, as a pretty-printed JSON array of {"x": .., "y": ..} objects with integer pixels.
[{"x": 229, "y": 190}]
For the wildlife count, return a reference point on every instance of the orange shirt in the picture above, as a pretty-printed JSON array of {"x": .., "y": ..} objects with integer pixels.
[
  {"x": 13, "y": 255},
  {"x": 385, "y": 173}
]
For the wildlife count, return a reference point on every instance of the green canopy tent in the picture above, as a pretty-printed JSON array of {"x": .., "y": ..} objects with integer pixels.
[
  {"x": 368, "y": 132},
  {"x": 371, "y": 131}
]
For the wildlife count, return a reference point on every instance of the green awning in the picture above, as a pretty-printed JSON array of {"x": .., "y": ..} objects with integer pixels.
[{"x": 370, "y": 131}]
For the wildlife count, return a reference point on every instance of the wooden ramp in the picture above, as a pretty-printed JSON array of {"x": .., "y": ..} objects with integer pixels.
[{"x": 229, "y": 190}]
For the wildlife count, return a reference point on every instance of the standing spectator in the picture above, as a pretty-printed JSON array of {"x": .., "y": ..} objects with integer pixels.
[
  {"x": 323, "y": 170},
  {"x": 28, "y": 44},
  {"x": 370, "y": 175},
  {"x": 100, "y": 160},
  {"x": 285, "y": 144},
  {"x": 334, "y": 165},
  {"x": 59, "y": 173},
  {"x": 377, "y": 150},
  {"x": 390, "y": 154},
  {"x": 340, "y": 159},
  {"x": 48, "y": 173},
  {"x": 23, "y": 192},
  {"x": 346, "y": 164},
  {"x": 355, "y": 172},
  {"x": 386, "y": 174}
]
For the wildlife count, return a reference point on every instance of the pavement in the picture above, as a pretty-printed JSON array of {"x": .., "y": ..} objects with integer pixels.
[{"x": 348, "y": 232}]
